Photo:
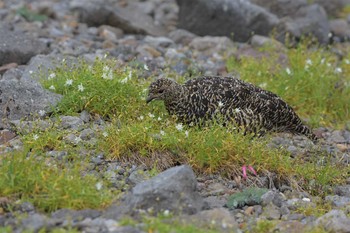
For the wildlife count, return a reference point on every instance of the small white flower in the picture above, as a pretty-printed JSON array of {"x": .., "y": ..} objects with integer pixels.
[
  {"x": 306, "y": 199},
  {"x": 77, "y": 139},
  {"x": 323, "y": 60},
  {"x": 186, "y": 134},
  {"x": 81, "y": 87},
  {"x": 151, "y": 115},
  {"x": 107, "y": 73},
  {"x": 105, "y": 56},
  {"x": 237, "y": 110},
  {"x": 166, "y": 213},
  {"x": 98, "y": 185},
  {"x": 347, "y": 61},
  {"x": 30, "y": 72},
  {"x": 338, "y": 70},
  {"x": 145, "y": 67},
  {"x": 69, "y": 82},
  {"x": 35, "y": 137},
  {"x": 52, "y": 87},
  {"x": 308, "y": 62},
  {"x": 124, "y": 80},
  {"x": 329, "y": 64},
  {"x": 159, "y": 118},
  {"x": 220, "y": 104},
  {"x": 162, "y": 133},
  {"x": 105, "y": 134},
  {"x": 141, "y": 118},
  {"x": 42, "y": 112},
  {"x": 51, "y": 76},
  {"x": 63, "y": 60},
  {"x": 179, "y": 127},
  {"x": 288, "y": 71}
]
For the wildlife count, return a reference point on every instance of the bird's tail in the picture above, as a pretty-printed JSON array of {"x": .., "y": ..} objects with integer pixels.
[{"x": 304, "y": 130}]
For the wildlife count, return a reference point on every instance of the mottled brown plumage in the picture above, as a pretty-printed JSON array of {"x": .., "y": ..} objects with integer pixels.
[{"x": 233, "y": 100}]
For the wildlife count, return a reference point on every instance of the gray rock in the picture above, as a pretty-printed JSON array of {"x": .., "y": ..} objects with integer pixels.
[
  {"x": 173, "y": 190},
  {"x": 340, "y": 29},
  {"x": 34, "y": 222},
  {"x": 71, "y": 122},
  {"x": 41, "y": 66},
  {"x": 6, "y": 135},
  {"x": 85, "y": 116},
  {"x": 334, "y": 221},
  {"x": 159, "y": 41},
  {"x": 75, "y": 215},
  {"x": 26, "y": 127},
  {"x": 334, "y": 7},
  {"x": 342, "y": 190},
  {"x": 336, "y": 137},
  {"x": 338, "y": 201},
  {"x": 212, "y": 44},
  {"x": 137, "y": 176},
  {"x": 87, "y": 134},
  {"x": 25, "y": 207},
  {"x": 271, "y": 212},
  {"x": 281, "y": 8},
  {"x": 309, "y": 20},
  {"x": 296, "y": 203},
  {"x": 22, "y": 97},
  {"x": 219, "y": 218},
  {"x": 57, "y": 154},
  {"x": 18, "y": 47},
  {"x": 237, "y": 19},
  {"x": 129, "y": 19},
  {"x": 273, "y": 197},
  {"x": 290, "y": 227},
  {"x": 215, "y": 201},
  {"x": 258, "y": 41},
  {"x": 181, "y": 36}
]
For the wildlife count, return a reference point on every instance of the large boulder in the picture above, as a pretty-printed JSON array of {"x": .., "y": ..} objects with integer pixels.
[
  {"x": 21, "y": 96},
  {"x": 334, "y": 221},
  {"x": 173, "y": 190},
  {"x": 18, "y": 47},
  {"x": 311, "y": 20},
  {"x": 130, "y": 19},
  {"x": 236, "y": 19},
  {"x": 334, "y": 7},
  {"x": 281, "y": 8}
]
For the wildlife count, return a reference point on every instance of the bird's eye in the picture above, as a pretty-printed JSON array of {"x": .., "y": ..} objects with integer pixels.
[{"x": 161, "y": 91}]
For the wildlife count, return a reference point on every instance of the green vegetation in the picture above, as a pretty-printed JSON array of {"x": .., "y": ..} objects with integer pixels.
[
  {"x": 31, "y": 15},
  {"x": 168, "y": 224},
  {"x": 247, "y": 196},
  {"x": 49, "y": 186}
]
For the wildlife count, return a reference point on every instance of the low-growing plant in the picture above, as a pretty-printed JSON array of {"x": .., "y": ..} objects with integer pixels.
[{"x": 49, "y": 186}]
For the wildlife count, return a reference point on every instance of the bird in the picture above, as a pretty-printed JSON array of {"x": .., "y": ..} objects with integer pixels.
[{"x": 230, "y": 99}]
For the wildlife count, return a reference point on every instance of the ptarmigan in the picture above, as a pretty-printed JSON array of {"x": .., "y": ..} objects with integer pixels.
[{"x": 232, "y": 100}]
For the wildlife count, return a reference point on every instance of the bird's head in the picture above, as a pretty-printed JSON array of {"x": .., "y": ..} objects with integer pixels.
[{"x": 162, "y": 89}]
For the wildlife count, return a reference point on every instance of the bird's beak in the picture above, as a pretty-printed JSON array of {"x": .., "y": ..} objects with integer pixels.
[{"x": 150, "y": 98}]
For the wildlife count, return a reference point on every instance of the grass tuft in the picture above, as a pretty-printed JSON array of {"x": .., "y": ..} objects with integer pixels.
[{"x": 49, "y": 186}]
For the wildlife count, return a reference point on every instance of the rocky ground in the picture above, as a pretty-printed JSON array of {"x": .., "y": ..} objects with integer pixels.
[{"x": 147, "y": 31}]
